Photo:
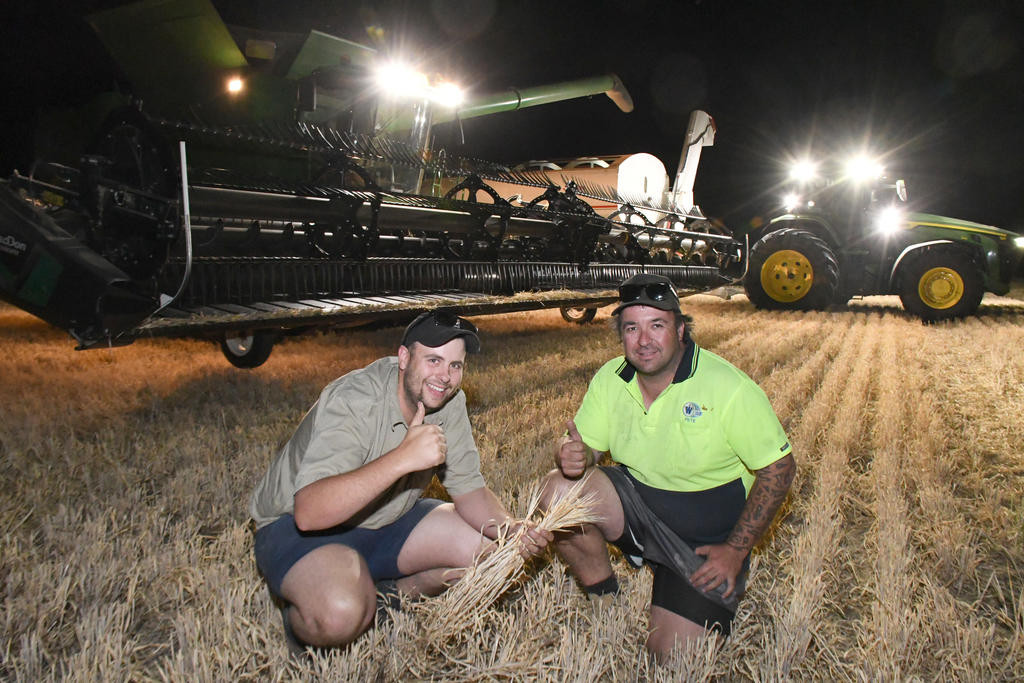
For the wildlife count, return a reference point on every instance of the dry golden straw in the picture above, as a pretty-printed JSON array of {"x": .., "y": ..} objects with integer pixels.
[
  {"x": 899, "y": 555},
  {"x": 500, "y": 565}
]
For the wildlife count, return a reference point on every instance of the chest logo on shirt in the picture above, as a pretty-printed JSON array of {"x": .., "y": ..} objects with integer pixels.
[{"x": 691, "y": 411}]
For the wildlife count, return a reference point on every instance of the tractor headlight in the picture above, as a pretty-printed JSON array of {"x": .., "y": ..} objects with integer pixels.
[
  {"x": 803, "y": 171},
  {"x": 889, "y": 220},
  {"x": 863, "y": 168},
  {"x": 791, "y": 201},
  {"x": 1019, "y": 242}
]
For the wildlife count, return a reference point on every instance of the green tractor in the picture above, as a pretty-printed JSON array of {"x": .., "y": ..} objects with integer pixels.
[{"x": 851, "y": 235}]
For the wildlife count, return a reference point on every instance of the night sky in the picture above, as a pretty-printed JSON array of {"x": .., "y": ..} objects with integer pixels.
[{"x": 936, "y": 86}]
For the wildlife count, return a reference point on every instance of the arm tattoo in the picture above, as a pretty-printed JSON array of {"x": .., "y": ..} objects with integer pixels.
[{"x": 766, "y": 495}]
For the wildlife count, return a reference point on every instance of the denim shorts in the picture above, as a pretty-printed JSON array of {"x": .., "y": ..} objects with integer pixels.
[{"x": 280, "y": 544}]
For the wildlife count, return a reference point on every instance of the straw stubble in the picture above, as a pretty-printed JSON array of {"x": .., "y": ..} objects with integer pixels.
[{"x": 898, "y": 555}]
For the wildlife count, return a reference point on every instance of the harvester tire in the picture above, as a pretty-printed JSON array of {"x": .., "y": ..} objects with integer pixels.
[
  {"x": 248, "y": 350},
  {"x": 577, "y": 314},
  {"x": 940, "y": 283},
  {"x": 792, "y": 269}
]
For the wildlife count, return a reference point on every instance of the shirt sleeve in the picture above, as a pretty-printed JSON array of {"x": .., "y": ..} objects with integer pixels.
[
  {"x": 752, "y": 428},
  {"x": 461, "y": 473}
]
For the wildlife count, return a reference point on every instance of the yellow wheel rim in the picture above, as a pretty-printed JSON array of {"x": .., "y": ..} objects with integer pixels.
[
  {"x": 940, "y": 288},
  {"x": 787, "y": 276}
]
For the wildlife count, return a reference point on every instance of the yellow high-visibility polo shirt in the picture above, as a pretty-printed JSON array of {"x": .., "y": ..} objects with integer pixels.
[{"x": 710, "y": 426}]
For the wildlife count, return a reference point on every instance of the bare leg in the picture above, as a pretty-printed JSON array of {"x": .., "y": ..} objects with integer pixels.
[
  {"x": 332, "y": 596},
  {"x": 586, "y": 551},
  {"x": 429, "y": 582},
  {"x": 667, "y": 628},
  {"x": 437, "y": 551}
]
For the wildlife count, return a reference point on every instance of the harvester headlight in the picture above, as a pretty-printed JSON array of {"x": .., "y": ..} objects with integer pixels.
[
  {"x": 791, "y": 201},
  {"x": 235, "y": 85},
  {"x": 803, "y": 171},
  {"x": 890, "y": 219},
  {"x": 447, "y": 95},
  {"x": 1019, "y": 242},
  {"x": 398, "y": 79},
  {"x": 863, "y": 168}
]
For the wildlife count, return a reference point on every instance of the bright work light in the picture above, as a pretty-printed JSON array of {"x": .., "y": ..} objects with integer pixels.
[
  {"x": 447, "y": 95},
  {"x": 803, "y": 171},
  {"x": 889, "y": 220},
  {"x": 1019, "y": 242},
  {"x": 398, "y": 79},
  {"x": 791, "y": 201},
  {"x": 862, "y": 168},
  {"x": 235, "y": 85}
]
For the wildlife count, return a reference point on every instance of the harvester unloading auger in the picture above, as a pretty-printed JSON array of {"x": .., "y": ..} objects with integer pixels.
[{"x": 308, "y": 198}]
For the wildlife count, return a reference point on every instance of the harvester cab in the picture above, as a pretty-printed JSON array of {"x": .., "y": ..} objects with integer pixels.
[
  {"x": 850, "y": 232},
  {"x": 182, "y": 63}
]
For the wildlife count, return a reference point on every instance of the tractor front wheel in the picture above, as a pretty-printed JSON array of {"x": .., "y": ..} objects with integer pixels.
[
  {"x": 939, "y": 283},
  {"x": 792, "y": 269}
]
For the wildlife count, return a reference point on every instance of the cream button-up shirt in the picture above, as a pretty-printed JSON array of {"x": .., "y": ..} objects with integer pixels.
[{"x": 356, "y": 420}]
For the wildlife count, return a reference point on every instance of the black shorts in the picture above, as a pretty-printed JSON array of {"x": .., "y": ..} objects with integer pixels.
[
  {"x": 280, "y": 544},
  {"x": 671, "y": 590}
]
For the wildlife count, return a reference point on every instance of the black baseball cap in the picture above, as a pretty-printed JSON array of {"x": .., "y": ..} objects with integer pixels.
[
  {"x": 438, "y": 327},
  {"x": 646, "y": 289}
]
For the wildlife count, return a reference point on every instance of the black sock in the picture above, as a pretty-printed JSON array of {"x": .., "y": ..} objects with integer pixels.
[{"x": 609, "y": 585}]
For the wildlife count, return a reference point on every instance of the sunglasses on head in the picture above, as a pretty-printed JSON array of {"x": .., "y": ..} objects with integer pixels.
[
  {"x": 655, "y": 291},
  {"x": 449, "y": 319}
]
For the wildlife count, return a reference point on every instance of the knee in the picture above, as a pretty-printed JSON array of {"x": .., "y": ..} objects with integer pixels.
[
  {"x": 553, "y": 486},
  {"x": 671, "y": 632},
  {"x": 340, "y": 619},
  {"x": 660, "y": 645}
]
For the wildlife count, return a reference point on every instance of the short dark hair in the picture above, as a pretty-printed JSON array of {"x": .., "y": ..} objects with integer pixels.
[{"x": 680, "y": 318}]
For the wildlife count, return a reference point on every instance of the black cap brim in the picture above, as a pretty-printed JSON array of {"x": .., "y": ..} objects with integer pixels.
[
  {"x": 426, "y": 332},
  {"x": 644, "y": 301}
]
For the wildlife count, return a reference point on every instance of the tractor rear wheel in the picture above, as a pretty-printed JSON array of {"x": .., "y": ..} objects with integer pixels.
[
  {"x": 792, "y": 269},
  {"x": 939, "y": 283}
]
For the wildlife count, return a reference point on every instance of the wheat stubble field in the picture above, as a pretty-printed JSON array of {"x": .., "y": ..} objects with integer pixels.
[{"x": 125, "y": 474}]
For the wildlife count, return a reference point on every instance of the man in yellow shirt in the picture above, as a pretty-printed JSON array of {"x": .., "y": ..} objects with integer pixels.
[{"x": 702, "y": 465}]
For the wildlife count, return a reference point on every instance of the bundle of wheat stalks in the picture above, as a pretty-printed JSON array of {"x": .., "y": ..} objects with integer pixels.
[{"x": 500, "y": 565}]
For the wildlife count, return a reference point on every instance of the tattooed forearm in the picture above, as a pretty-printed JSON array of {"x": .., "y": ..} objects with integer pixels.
[{"x": 766, "y": 495}]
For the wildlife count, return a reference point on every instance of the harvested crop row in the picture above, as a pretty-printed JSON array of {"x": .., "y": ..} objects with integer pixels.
[{"x": 898, "y": 555}]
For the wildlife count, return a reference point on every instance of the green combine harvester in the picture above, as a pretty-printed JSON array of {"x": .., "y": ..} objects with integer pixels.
[
  {"x": 252, "y": 184},
  {"x": 248, "y": 184}
]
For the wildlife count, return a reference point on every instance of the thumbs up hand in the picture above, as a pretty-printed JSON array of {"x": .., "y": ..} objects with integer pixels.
[
  {"x": 424, "y": 444},
  {"x": 421, "y": 412},
  {"x": 573, "y": 455}
]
